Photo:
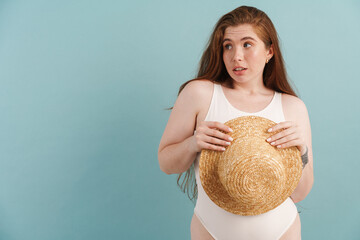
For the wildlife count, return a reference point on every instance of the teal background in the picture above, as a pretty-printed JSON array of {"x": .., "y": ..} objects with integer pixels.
[{"x": 83, "y": 85}]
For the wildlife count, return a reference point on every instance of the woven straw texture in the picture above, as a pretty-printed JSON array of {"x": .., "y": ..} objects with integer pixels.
[{"x": 250, "y": 177}]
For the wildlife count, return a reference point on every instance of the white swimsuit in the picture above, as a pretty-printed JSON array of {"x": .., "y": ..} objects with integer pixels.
[{"x": 223, "y": 225}]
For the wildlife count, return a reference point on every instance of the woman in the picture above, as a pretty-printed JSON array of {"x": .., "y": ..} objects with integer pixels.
[{"x": 241, "y": 73}]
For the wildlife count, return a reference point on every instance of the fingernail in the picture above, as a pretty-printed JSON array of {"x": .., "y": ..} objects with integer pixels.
[
  {"x": 227, "y": 143},
  {"x": 231, "y": 130},
  {"x": 269, "y": 139},
  {"x": 223, "y": 149},
  {"x": 278, "y": 146},
  {"x": 270, "y": 129},
  {"x": 273, "y": 143},
  {"x": 230, "y": 138}
]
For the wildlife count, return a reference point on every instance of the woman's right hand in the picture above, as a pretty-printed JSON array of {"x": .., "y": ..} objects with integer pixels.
[{"x": 209, "y": 136}]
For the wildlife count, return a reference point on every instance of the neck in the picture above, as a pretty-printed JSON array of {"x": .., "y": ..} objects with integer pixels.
[{"x": 249, "y": 87}]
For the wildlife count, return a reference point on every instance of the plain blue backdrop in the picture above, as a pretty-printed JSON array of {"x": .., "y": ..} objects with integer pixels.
[{"x": 83, "y": 85}]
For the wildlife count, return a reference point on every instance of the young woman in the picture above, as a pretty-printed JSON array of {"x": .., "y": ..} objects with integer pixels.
[{"x": 241, "y": 73}]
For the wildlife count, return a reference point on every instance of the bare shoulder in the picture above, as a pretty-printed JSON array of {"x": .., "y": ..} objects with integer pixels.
[
  {"x": 293, "y": 107},
  {"x": 199, "y": 88},
  {"x": 183, "y": 117},
  {"x": 198, "y": 93}
]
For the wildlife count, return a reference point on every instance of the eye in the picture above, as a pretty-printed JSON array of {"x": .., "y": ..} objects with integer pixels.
[
  {"x": 227, "y": 46},
  {"x": 247, "y": 44}
]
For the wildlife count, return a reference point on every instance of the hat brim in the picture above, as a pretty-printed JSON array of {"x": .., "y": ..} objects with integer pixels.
[{"x": 258, "y": 177}]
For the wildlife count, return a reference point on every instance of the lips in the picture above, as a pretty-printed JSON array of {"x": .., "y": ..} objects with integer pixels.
[{"x": 239, "y": 68}]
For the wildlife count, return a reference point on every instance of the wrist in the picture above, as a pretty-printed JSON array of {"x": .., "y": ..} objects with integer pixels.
[
  {"x": 302, "y": 149},
  {"x": 192, "y": 145}
]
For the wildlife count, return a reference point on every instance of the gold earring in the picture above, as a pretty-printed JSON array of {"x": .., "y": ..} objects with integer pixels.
[{"x": 267, "y": 60}]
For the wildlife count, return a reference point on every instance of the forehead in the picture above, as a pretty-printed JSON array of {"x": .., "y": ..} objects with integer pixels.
[{"x": 239, "y": 31}]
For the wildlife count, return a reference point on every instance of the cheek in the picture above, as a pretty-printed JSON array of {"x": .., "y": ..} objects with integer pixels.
[
  {"x": 226, "y": 60},
  {"x": 256, "y": 56}
]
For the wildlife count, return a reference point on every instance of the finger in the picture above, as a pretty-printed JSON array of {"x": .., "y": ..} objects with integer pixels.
[
  {"x": 213, "y": 147},
  {"x": 216, "y": 141},
  {"x": 293, "y": 143},
  {"x": 281, "y": 125},
  {"x": 285, "y": 139},
  {"x": 219, "y": 125},
  {"x": 281, "y": 134},
  {"x": 216, "y": 133}
]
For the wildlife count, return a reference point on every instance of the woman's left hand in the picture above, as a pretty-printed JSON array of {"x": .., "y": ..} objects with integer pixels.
[{"x": 290, "y": 136}]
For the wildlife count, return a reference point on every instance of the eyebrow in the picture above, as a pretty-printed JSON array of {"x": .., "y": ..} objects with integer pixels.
[{"x": 244, "y": 38}]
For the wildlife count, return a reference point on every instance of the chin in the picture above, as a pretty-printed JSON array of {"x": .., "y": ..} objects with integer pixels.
[{"x": 239, "y": 79}]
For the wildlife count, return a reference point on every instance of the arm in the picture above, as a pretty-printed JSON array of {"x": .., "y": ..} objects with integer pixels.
[
  {"x": 296, "y": 132},
  {"x": 307, "y": 178},
  {"x": 176, "y": 150}
]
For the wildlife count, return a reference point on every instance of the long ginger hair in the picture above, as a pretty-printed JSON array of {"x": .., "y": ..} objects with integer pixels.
[{"x": 212, "y": 67}]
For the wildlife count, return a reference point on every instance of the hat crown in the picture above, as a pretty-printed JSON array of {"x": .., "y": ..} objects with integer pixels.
[{"x": 256, "y": 173}]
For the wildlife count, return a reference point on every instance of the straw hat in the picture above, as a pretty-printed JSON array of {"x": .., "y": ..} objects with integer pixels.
[{"x": 250, "y": 177}]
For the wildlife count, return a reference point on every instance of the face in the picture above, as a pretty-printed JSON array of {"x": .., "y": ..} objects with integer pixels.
[{"x": 244, "y": 54}]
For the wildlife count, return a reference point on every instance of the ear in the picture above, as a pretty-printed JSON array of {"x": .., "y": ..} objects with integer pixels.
[{"x": 270, "y": 52}]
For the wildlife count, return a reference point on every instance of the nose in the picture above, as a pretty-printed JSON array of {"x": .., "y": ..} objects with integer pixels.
[{"x": 238, "y": 54}]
